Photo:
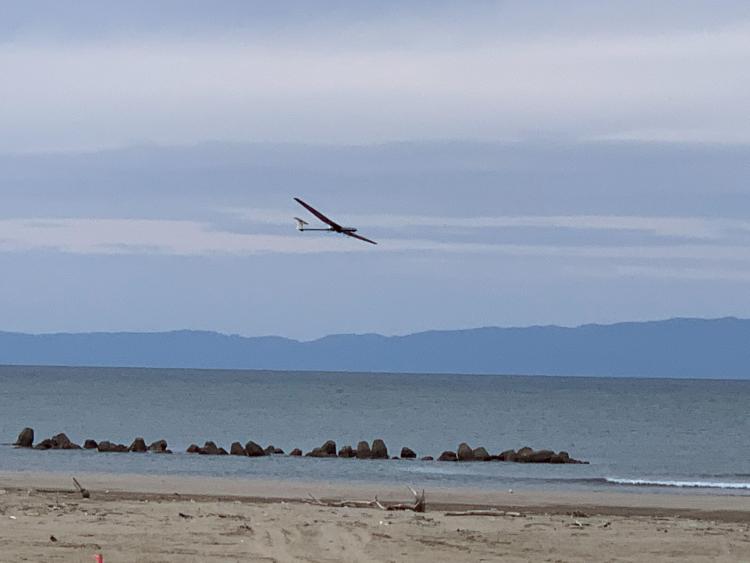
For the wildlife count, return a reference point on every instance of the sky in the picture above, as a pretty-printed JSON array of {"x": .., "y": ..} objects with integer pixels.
[{"x": 519, "y": 163}]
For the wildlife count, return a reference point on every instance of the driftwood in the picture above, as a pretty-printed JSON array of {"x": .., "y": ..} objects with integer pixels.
[
  {"x": 419, "y": 504},
  {"x": 84, "y": 492},
  {"x": 490, "y": 512},
  {"x": 476, "y": 513}
]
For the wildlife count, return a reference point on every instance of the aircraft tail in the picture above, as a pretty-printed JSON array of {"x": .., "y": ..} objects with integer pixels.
[{"x": 301, "y": 223}]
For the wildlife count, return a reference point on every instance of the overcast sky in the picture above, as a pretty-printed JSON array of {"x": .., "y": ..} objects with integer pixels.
[{"x": 519, "y": 162}]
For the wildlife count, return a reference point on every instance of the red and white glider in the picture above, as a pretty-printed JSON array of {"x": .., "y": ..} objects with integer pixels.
[{"x": 332, "y": 225}]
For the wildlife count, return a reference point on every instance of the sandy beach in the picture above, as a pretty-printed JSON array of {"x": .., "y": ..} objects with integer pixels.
[{"x": 153, "y": 518}]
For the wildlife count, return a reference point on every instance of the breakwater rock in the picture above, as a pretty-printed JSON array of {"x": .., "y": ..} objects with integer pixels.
[{"x": 364, "y": 450}]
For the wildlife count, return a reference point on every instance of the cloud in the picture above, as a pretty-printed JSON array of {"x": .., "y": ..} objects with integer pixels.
[
  {"x": 192, "y": 238},
  {"x": 140, "y": 236},
  {"x": 709, "y": 228},
  {"x": 676, "y": 85}
]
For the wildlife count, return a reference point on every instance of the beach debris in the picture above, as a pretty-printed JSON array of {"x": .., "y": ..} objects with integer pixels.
[
  {"x": 25, "y": 438},
  {"x": 138, "y": 446},
  {"x": 84, "y": 492},
  {"x": 607, "y": 524},
  {"x": 52, "y": 539},
  {"x": 183, "y": 515},
  {"x": 419, "y": 504},
  {"x": 488, "y": 512},
  {"x": 363, "y": 450},
  {"x": 378, "y": 450},
  {"x": 407, "y": 453},
  {"x": 254, "y": 450},
  {"x": 578, "y": 514},
  {"x": 12, "y": 517}
]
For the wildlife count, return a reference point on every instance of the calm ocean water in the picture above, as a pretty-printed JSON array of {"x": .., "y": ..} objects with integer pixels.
[{"x": 661, "y": 435}]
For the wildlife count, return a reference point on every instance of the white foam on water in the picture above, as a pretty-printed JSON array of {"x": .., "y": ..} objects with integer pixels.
[{"x": 681, "y": 484}]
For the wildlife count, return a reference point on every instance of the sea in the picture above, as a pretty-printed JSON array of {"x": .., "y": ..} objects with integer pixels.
[{"x": 659, "y": 435}]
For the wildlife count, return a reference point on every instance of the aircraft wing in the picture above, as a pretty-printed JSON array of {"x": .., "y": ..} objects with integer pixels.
[
  {"x": 359, "y": 237},
  {"x": 318, "y": 214}
]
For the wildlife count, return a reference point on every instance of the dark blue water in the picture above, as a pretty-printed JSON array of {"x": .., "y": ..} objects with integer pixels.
[{"x": 668, "y": 435}]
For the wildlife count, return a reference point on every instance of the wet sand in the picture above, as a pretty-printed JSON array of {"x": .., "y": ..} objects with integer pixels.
[{"x": 158, "y": 518}]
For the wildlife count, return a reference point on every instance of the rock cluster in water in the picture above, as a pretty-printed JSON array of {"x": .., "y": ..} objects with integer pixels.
[
  {"x": 364, "y": 450},
  {"x": 62, "y": 442}
]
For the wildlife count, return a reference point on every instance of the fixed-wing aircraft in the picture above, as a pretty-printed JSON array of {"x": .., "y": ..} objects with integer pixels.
[{"x": 333, "y": 226}]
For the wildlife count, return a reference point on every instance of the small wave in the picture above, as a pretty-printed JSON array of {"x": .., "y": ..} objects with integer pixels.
[{"x": 679, "y": 484}]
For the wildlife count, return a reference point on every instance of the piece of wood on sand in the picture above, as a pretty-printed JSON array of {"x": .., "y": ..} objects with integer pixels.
[
  {"x": 84, "y": 492},
  {"x": 419, "y": 504}
]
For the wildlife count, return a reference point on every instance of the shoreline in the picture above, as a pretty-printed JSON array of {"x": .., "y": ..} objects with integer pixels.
[
  {"x": 704, "y": 506},
  {"x": 168, "y": 519}
]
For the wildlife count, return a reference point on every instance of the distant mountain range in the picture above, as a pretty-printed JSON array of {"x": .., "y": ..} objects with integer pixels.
[{"x": 715, "y": 348}]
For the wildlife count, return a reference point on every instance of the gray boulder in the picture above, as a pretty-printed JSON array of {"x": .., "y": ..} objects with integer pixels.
[
  {"x": 326, "y": 450},
  {"x": 378, "y": 449},
  {"x": 465, "y": 453},
  {"x": 25, "y": 438},
  {"x": 347, "y": 452},
  {"x": 407, "y": 453},
  {"x": 46, "y": 444},
  {"x": 541, "y": 456},
  {"x": 428, "y": 458},
  {"x": 107, "y": 446},
  {"x": 158, "y": 447},
  {"x": 209, "y": 448},
  {"x": 363, "y": 450},
  {"x": 138, "y": 445},
  {"x": 448, "y": 456},
  {"x": 90, "y": 445},
  {"x": 193, "y": 449},
  {"x": 296, "y": 452},
  {"x": 236, "y": 449},
  {"x": 524, "y": 453},
  {"x": 254, "y": 450},
  {"x": 57, "y": 442},
  {"x": 481, "y": 454}
]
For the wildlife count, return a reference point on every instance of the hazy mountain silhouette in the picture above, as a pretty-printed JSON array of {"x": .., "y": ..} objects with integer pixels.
[{"x": 715, "y": 348}]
